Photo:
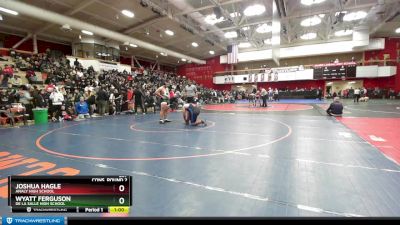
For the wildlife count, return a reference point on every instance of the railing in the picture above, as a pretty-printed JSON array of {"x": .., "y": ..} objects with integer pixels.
[
  {"x": 2, "y": 50},
  {"x": 389, "y": 62}
]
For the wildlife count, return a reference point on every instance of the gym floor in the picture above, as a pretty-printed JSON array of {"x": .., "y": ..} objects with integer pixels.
[{"x": 289, "y": 159}]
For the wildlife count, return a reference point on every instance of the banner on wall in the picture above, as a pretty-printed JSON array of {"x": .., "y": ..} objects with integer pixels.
[
  {"x": 267, "y": 76},
  {"x": 108, "y": 66},
  {"x": 229, "y": 79}
]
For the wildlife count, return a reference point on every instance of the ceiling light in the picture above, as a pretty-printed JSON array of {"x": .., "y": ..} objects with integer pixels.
[
  {"x": 231, "y": 34},
  {"x": 128, "y": 13},
  {"x": 351, "y": 82},
  {"x": 268, "y": 41},
  {"x": 311, "y": 2},
  {"x": 133, "y": 45},
  {"x": 244, "y": 45},
  {"x": 355, "y": 16},
  {"x": 183, "y": 60},
  {"x": 87, "y": 32},
  {"x": 212, "y": 19},
  {"x": 308, "y": 36},
  {"x": 397, "y": 30},
  {"x": 169, "y": 32},
  {"x": 194, "y": 44},
  {"x": 163, "y": 54},
  {"x": 340, "y": 33},
  {"x": 245, "y": 28},
  {"x": 312, "y": 21},
  {"x": 8, "y": 11},
  {"x": 80, "y": 37},
  {"x": 254, "y": 10},
  {"x": 265, "y": 28},
  {"x": 211, "y": 52},
  {"x": 234, "y": 14}
]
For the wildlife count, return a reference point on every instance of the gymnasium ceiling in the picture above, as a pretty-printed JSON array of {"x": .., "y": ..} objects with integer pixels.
[{"x": 186, "y": 18}]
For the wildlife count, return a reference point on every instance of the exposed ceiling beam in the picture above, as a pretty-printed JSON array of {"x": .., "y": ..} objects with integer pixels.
[
  {"x": 44, "y": 37},
  {"x": 46, "y": 15},
  {"x": 97, "y": 17},
  {"x": 243, "y": 25},
  {"x": 206, "y": 7},
  {"x": 148, "y": 22},
  {"x": 392, "y": 12},
  {"x": 70, "y": 12}
]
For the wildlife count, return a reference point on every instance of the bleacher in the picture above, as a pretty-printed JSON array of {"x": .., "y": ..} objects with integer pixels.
[{"x": 21, "y": 74}]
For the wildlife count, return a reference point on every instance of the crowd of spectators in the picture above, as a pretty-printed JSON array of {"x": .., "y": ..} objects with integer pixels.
[
  {"x": 351, "y": 93},
  {"x": 71, "y": 91}
]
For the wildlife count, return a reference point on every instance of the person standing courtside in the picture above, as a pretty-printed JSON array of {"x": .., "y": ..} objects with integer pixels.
[
  {"x": 138, "y": 100},
  {"x": 102, "y": 99},
  {"x": 356, "y": 94},
  {"x": 191, "y": 91},
  {"x": 319, "y": 93},
  {"x": 264, "y": 96},
  {"x": 276, "y": 94}
]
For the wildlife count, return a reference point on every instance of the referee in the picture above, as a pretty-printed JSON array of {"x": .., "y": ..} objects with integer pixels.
[{"x": 190, "y": 91}]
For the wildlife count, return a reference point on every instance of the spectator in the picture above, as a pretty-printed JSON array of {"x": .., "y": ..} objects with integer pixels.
[
  {"x": 276, "y": 94},
  {"x": 392, "y": 94},
  {"x": 356, "y": 94},
  {"x": 138, "y": 95},
  {"x": 150, "y": 102},
  {"x": 57, "y": 100},
  {"x": 91, "y": 101},
  {"x": 25, "y": 98},
  {"x": 102, "y": 99},
  {"x": 264, "y": 96},
  {"x": 30, "y": 75},
  {"x": 8, "y": 72},
  {"x": 117, "y": 100},
  {"x": 335, "y": 108},
  {"x": 4, "y": 99},
  {"x": 82, "y": 108},
  {"x": 270, "y": 94},
  {"x": 319, "y": 93},
  {"x": 15, "y": 81},
  {"x": 38, "y": 98},
  {"x": 76, "y": 63}
]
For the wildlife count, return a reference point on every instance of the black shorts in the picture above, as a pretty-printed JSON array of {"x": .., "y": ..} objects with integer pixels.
[{"x": 190, "y": 99}]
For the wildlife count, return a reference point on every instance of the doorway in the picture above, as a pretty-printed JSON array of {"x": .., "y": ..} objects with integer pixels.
[{"x": 337, "y": 87}]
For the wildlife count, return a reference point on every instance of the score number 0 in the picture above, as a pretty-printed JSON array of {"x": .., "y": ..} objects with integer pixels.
[{"x": 121, "y": 200}]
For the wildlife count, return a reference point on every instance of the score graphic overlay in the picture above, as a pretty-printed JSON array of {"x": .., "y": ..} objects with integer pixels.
[{"x": 77, "y": 194}]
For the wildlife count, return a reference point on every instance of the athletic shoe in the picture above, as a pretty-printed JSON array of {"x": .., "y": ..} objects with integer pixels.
[
  {"x": 162, "y": 121},
  {"x": 167, "y": 120},
  {"x": 204, "y": 122},
  {"x": 144, "y": 113}
]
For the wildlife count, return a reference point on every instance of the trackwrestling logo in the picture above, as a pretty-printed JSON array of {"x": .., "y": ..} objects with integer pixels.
[{"x": 33, "y": 220}]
